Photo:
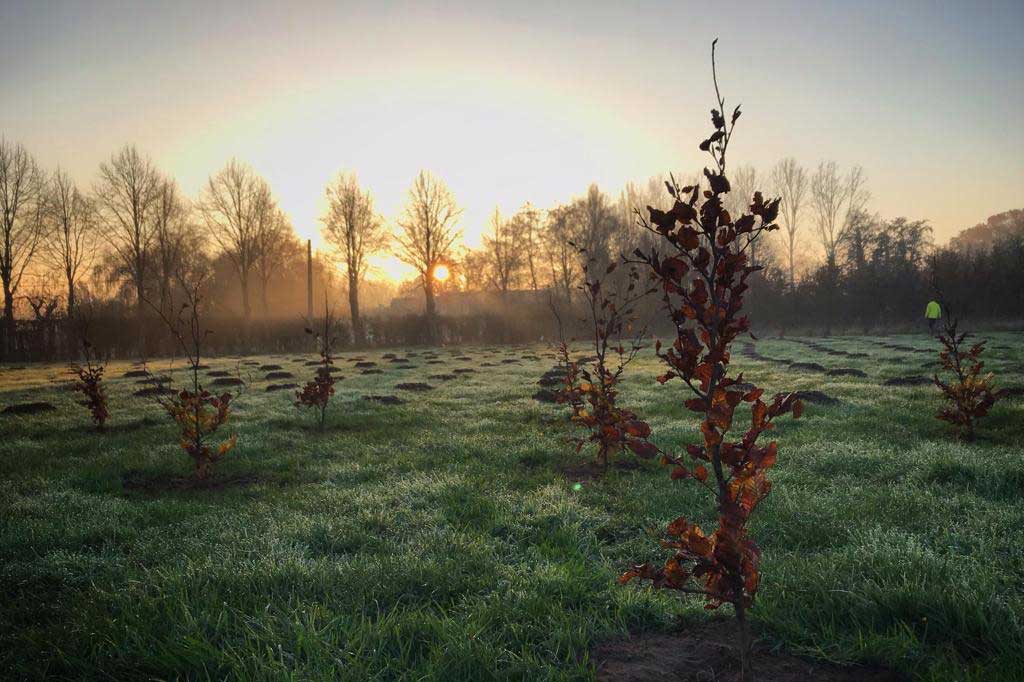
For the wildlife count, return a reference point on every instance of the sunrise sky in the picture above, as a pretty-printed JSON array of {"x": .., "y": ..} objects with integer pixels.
[{"x": 523, "y": 101}]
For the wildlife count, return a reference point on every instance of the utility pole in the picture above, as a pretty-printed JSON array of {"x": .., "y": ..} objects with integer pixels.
[{"x": 309, "y": 280}]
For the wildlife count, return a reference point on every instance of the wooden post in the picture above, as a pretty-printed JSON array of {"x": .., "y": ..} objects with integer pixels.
[{"x": 309, "y": 280}]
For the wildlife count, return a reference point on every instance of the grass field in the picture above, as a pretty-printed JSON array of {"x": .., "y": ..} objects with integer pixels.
[{"x": 440, "y": 538}]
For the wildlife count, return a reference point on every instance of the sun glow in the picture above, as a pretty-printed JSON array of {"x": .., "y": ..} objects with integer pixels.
[{"x": 441, "y": 273}]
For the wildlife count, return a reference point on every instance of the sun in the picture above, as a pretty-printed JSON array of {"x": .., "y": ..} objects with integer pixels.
[{"x": 441, "y": 273}]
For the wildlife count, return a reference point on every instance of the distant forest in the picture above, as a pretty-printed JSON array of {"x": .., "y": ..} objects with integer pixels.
[{"x": 110, "y": 262}]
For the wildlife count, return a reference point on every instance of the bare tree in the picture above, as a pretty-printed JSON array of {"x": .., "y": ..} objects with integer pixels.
[
  {"x": 357, "y": 232},
  {"x": 429, "y": 230},
  {"x": 744, "y": 184},
  {"x": 526, "y": 224},
  {"x": 474, "y": 270},
  {"x": 560, "y": 254},
  {"x": 69, "y": 247},
  {"x": 21, "y": 188},
  {"x": 638, "y": 196},
  {"x": 503, "y": 254},
  {"x": 594, "y": 225},
  {"x": 171, "y": 240},
  {"x": 127, "y": 193},
  {"x": 790, "y": 181},
  {"x": 235, "y": 204},
  {"x": 836, "y": 200},
  {"x": 275, "y": 240}
]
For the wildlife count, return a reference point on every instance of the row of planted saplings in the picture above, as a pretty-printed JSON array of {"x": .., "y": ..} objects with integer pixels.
[{"x": 198, "y": 413}]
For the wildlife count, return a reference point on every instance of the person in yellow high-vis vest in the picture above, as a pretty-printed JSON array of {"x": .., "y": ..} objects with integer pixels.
[{"x": 932, "y": 313}]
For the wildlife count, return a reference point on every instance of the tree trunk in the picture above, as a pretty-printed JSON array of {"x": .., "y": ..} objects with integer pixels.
[
  {"x": 792, "y": 270},
  {"x": 358, "y": 335},
  {"x": 265, "y": 283},
  {"x": 140, "y": 316},
  {"x": 165, "y": 293},
  {"x": 71, "y": 297},
  {"x": 431, "y": 306},
  {"x": 744, "y": 628},
  {"x": 246, "y": 304},
  {"x": 8, "y": 321},
  {"x": 243, "y": 279}
]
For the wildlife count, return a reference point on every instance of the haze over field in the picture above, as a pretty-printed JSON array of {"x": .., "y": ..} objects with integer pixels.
[{"x": 523, "y": 102}]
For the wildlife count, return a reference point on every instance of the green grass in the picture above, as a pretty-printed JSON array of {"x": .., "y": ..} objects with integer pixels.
[{"x": 439, "y": 540}]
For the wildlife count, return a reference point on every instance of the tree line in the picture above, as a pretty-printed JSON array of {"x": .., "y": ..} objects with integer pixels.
[{"x": 127, "y": 247}]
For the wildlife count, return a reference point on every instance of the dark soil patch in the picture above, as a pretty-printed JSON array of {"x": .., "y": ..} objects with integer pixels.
[
  {"x": 708, "y": 653},
  {"x": 372, "y": 371},
  {"x": 366, "y": 364},
  {"x": 463, "y": 358},
  {"x": 399, "y": 360},
  {"x": 268, "y": 368},
  {"x": 508, "y": 361},
  {"x": 280, "y": 387},
  {"x": 442, "y": 377},
  {"x": 414, "y": 386},
  {"x": 545, "y": 395},
  {"x": 464, "y": 370},
  {"x": 218, "y": 373},
  {"x": 435, "y": 362},
  {"x": 156, "y": 380},
  {"x": 846, "y": 372},
  {"x": 487, "y": 364},
  {"x": 251, "y": 363},
  {"x": 916, "y": 380},
  {"x": 742, "y": 386},
  {"x": 150, "y": 484},
  {"x": 547, "y": 380},
  {"x": 29, "y": 408},
  {"x": 151, "y": 391},
  {"x": 135, "y": 425},
  {"x": 384, "y": 399},
  {"x": 588, "y": 469},
  {"x": 135, "y": 374},
  {"x": 809, "y": 366},
  {"x": 405, "y": 366},
  {"x": 314, "y": 363},
  {"x": 227, "y": 381},
  {"x": 817, "y": 398},
  {"x": 1013, "y": 392},
  {"x": 389, "y": 356},
  {"x": 279, "y": 375}
]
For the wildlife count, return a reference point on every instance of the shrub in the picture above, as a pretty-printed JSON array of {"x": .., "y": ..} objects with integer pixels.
[
  {"x": 591, "y": 386},
  {"x": 702, "y": 280},
  {"x": 90, "y": 385},
  {"x": 317, "y": 392},
  {"x": 969, "y": 394},
  {"x": 198, "y": 413}
]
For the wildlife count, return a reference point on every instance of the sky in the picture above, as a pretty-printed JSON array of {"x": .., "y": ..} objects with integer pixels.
[{"x": 525, "y": 101}]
